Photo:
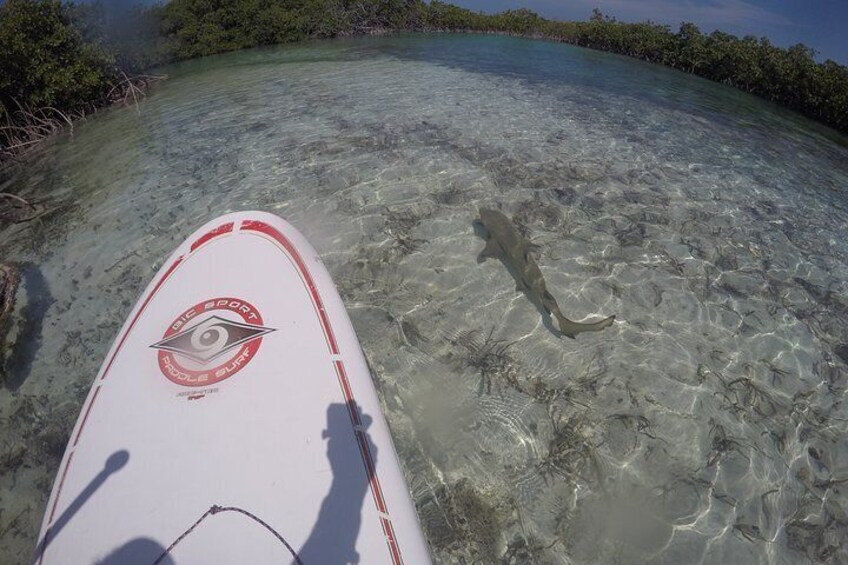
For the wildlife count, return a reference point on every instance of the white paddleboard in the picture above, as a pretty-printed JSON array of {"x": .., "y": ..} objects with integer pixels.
[{"x": 233, "y": 421}]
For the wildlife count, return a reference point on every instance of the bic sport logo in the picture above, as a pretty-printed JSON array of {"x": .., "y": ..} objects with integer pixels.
[{"x": 211, "y": 341}]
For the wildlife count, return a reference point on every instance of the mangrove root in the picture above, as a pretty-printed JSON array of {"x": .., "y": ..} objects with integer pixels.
[
  {"x": 23, "y": 128},
  {"x": 9, "y": 278},
  {"x": 132, "y": 88},
  {"x": 17, "y": 210}
]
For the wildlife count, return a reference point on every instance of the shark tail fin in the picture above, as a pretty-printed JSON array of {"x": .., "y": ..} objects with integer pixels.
[{"x": 571, "y": 329}]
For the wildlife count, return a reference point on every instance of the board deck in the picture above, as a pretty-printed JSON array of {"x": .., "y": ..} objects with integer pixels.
[{"x": 235, "y": 409}]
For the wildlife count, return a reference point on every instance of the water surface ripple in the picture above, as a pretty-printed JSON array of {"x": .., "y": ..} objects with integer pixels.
[{"x": 706, "y": 426}]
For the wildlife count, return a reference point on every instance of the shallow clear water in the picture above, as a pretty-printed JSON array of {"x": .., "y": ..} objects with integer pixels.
[{"x": 706, "y": 426}]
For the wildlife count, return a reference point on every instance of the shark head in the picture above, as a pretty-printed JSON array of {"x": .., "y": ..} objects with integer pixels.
[{"x": 489, "y": 217}]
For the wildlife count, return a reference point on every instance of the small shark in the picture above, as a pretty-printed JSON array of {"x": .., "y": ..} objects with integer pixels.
[{"x": 504, "y": 242}]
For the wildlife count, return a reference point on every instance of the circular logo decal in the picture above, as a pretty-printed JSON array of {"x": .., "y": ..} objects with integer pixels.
[{"x": 211, "y": 341}]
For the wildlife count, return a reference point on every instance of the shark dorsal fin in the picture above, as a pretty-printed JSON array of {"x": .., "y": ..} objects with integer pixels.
[
  {"x": 492, "y": 249},
  {"x": 530, "y": 247}
]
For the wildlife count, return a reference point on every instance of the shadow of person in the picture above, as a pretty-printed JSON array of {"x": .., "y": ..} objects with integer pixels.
[
  {"x": 29, "y": 338},
  {"x": 333, "y": 538},
  {"x": 139, "y": 551}
]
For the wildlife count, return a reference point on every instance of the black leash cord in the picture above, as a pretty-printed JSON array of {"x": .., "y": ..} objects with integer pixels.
[{"x": 215, "y": 509}]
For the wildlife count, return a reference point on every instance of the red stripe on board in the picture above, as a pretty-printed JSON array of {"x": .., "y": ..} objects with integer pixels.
[
  {"x": 375, "y": 479},
  {"x": 389, "y": 530},
  {"x": 220, "y": 230},
  {"x": 61, "y": 484},
  {"x": 87, "y": 412},
  {"x": 364, "y": 448},
  {"x": 262, "y": 227},
  {"x": 345, "y": 384},
  {"x": 138, "y": 314},
  {"x": 361, "y": 440},
  {"x": 46, "y": 543},
  {"x": 97, "y": 390},
  {"x": 372, "y": 472}
]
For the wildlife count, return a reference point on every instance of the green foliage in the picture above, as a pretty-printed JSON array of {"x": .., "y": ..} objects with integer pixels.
[
  {"x": 447, "y": 16},
  {"x": 45, "y": 61},
  {"x": 790, "y": 77},
  {"x": 203, "y": 27},
  {"x": 67, "y": 55},
  {"x": 129, "y": 33}
]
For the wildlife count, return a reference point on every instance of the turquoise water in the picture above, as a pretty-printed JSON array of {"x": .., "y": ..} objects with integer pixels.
[{"x": 706, "y": 426}]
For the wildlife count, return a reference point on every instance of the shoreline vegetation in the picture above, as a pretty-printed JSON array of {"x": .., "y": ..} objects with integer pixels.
[{"x": 60, "y": 61}]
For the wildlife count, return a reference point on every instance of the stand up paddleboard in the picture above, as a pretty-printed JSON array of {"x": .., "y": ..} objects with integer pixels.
[{"x": 233, "y": 421}]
